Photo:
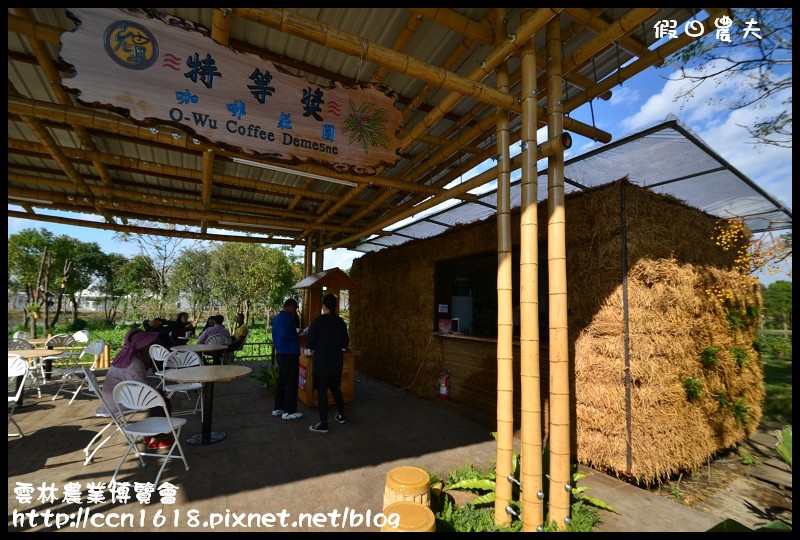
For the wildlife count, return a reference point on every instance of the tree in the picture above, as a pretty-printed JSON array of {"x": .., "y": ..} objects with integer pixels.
[
  {"x": 76, "y": 268},
  {"x": 25, "y": 251},
  {"x": 245, "y": 275},
  {"x": 778, "y": 303},
  {"x": 138, "y": 280},
  {"x": 759, "y": 50},
  {"x": 48, "y": 267},
  {"x": 770, "y": 253},
  {"x": 111, "y": 286},
  {"x": 160, "y": 252},
  {"x": 191, "y": 278}
]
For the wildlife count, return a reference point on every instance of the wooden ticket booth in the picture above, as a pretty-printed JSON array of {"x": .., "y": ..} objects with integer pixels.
[{"x": 330, "y": 281}]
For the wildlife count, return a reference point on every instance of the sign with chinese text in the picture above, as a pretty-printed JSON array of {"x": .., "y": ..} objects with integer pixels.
[{"x": 163, "y": 69}]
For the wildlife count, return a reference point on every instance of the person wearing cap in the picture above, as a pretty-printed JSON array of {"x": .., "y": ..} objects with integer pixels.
[
  {"x": 287, "y": 352},
  {"x": 328, "y": 338}
]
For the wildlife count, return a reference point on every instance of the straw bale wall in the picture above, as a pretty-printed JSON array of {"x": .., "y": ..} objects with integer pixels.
[{"x": 646, "y": 430}]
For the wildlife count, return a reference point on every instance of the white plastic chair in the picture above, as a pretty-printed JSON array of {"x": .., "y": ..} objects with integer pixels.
[
  {"x": 81, "y": 336},
  {"x": 138, "y": 396},
  {"x": 217, "y": 339},
  {"x": 22, "y": 335},
  {"x": 17, "y": 367},
  {"x": 74, "y": 372},
  {"x": 159, "y": 353},
  {"x": 65, "y": 341},
  {"x": 180, "y": 360},
  {"x": 34, "y": 365},
  {"x": 18, "y": 343},
  {"x": 106, "y": 410}
]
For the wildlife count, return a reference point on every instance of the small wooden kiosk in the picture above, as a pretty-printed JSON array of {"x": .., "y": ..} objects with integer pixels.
[{"x": 330, "y": 281}]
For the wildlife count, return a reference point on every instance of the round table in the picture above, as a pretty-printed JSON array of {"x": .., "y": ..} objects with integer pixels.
[
  {"x": 200, "y": 347},
  {"x": 203, "y": 348},
  {"x": 29, "y": 354},
  {"x": 37, "y": 341},
  {"x": 207, "y": 375}
]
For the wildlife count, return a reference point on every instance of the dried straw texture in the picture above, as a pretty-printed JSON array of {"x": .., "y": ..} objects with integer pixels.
[
  {"x": 671, "y": 318},
  {"x": 672, "y": 260}
]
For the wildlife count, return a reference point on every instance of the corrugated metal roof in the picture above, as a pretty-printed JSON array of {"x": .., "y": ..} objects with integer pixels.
[{"x": 139, "y": 180}]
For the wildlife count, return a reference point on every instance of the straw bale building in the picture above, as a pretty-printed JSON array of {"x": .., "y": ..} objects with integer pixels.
[{"x": 662, "y": 327}]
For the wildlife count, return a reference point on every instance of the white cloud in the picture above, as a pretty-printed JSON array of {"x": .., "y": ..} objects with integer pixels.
[{"x": 708, "y": 113}]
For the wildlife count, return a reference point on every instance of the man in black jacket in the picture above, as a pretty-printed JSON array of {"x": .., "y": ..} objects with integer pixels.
[{"x": 328, "y": 338}]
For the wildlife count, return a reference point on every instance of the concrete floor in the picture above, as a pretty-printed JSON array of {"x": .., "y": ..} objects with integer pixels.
[{"x": 268, "y": 466}]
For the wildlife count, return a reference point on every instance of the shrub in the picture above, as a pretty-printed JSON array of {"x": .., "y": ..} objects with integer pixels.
[
  {"x": 693, "y": 388},
  {"x": 739, "y": 356},
  {"x": 708, "y": 357}
]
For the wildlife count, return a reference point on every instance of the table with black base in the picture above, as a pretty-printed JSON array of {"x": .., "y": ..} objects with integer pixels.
[{"x": 207, "y": 375}]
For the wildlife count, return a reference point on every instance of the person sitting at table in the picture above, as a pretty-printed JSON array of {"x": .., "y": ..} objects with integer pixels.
[
  {"x": 130, "y": 364},
  {"x": 181, "y": 328},
  {"x": 209, "y": 323},
  {"x": 238, "y": 337},
  {"x": 217, "y": 330},
  {"x": 157, "y": 326}
]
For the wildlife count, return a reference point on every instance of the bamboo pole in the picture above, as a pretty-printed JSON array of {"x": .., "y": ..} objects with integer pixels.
[
  {"x": 597, "y": 23},
  {"x": 208, "y": 171},
  {"x": 307, "y": 271},
  {"x": 160, "y": 206},
  {"x": 503, "y": 49},
  {"x": 292, "y": 23},
  {"x": 54, "y": 78},
  {"x": 558, "y": 144},
  {"x": 120, "y": 126},
  {"x": 221, "y": 25},
  {"x": 530, "y": 386},
  {"x": 612, "y": 32},
  {"x": 559, "y": 504},
  {"x": 505, "y": 324},
  {"x": 172, "y": 233},
  {"x": 121, "y": 198},
  {"x": 182, "y": 173},
  {"x": 400, "y": 42},
  {"x": 656, "y": 56}
]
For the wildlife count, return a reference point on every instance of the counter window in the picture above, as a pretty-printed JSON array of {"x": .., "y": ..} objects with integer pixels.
[{"x": 465, "y": 294}]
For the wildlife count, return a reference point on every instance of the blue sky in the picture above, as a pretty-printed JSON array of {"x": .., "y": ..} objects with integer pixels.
[{"x": 641, "y": 101}]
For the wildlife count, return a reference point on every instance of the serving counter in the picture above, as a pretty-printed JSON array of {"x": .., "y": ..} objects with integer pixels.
[{"x": 305, "y": 383}]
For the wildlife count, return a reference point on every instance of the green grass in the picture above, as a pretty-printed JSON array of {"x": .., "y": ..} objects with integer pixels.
[{"x": 778, "y": 385}]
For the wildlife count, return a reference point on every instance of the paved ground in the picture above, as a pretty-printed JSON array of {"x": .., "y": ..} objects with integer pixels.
[{"x": 269, "y": 466}]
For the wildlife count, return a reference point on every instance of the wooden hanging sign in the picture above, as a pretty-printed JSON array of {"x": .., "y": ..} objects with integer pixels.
[{"x": 161, "y": 69}]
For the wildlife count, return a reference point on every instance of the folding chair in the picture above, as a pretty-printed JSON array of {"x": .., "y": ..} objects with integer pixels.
[
  {"x": 218, "y": 339},
  {"x": 35, "y": 368},
  {"x": 159, "y": 353},
  {"x": 21, "y": 335},
  {"x": 93, "y": 349},
  {"x": 71, "y": 370},
  {"x": 138, "y": 396},
  {"x": 106, "y": 410},
  {"x": 62, "y": 341},
  {"x": 81, "y": 336},
  {"x": 17, "y": 367},
  {"x": 180, "y": 360}
]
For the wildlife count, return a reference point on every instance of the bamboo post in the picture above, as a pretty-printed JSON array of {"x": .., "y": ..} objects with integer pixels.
[
  {"x": 505, "y": 327},
  {"x": 559, "y": 504},
  {"x": 530, "y": 384}
]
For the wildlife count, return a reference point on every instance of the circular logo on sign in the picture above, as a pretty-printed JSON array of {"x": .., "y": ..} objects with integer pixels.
[{"x": 130, "y": 45}]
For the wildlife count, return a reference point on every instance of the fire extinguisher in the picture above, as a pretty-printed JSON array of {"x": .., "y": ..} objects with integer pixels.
[{"x": 444, "y": 384}]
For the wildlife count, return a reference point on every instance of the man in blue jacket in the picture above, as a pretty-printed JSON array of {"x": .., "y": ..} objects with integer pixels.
[{"x": 287, "y": 351}]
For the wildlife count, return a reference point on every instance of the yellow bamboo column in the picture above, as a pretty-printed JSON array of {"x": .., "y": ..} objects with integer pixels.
[
  {"x": 559, "y": 504},
  {"x": 505, "y": 319},
  {"x": 308, "y": 251},
  {"x": 530, "y": 386}
]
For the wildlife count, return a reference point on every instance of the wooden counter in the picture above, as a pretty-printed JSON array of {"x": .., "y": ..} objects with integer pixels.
[{"x": 305, "y": 384}]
